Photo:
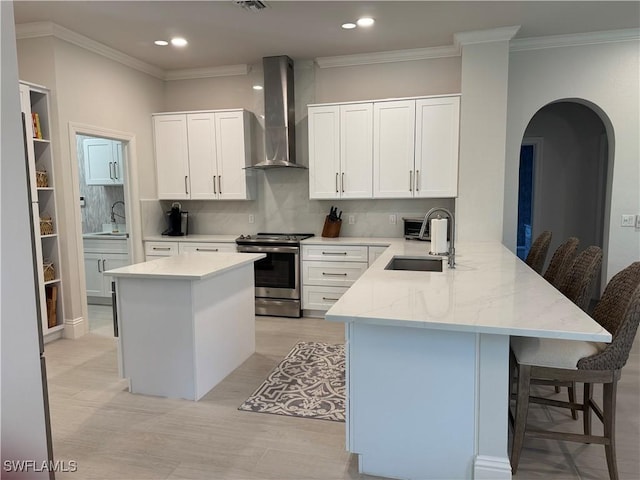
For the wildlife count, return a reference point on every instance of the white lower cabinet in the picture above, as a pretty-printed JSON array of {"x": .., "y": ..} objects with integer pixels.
[
  {"x": 153, "y": 250},
  {"x": 375, "y": 252},
  {"x": 100, "y": 256},
  {"x": 328, "y": 271}
]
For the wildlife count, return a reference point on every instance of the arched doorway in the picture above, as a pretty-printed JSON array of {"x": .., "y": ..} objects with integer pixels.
[{"x": 563, "y": 176}]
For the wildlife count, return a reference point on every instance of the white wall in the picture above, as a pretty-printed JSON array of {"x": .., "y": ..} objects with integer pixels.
[
  {"x": 89, "y": 89},
  {"x": 606, "y": 76},
  {"x": 23, "y": 410}
]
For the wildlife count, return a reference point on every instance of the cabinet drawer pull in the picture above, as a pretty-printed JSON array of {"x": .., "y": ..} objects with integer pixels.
[
  {"x": 335, "y": 274},
  {"x": 161, "y": 248},
  {"x": 99, "y": 271},
  {"x": 331, "y": 299},
  {"x": 206, "y": 249},
  {"x": 334, "y": 253}
]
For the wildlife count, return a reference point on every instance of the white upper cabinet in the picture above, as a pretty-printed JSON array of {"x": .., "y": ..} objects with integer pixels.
[
  {"x": 202, "y": 155},
  {"x": 385, "y": 149},
  {"x": 340, "y": 151},
  {"x": 102, "y": 161},
  {"x": 172, "y": 156},
  {"x": 393, "y": 152},
  {"x": 437, "y": 133}
]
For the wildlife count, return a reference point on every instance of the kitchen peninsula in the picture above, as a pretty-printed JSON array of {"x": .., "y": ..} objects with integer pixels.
[
  {"x": 185, "y": 322},
  {"x": 428, "y": 354}
]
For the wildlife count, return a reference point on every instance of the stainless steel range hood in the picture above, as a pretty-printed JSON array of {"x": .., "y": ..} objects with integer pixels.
[{"x": 279, "y": 114}]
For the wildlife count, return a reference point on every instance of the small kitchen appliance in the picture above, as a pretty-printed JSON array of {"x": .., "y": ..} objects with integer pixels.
[{"x": 178, "y": 220}]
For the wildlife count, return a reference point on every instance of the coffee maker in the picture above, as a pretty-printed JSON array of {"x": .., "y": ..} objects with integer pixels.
[{"x": 178, "y": 221}]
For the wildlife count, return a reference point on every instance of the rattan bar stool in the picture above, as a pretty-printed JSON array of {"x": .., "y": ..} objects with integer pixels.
[
  {"x": 552, "y": 360},
  {"x": 561, "y": 261},
  {"x": 578, "y": 281},
  {"x": 538, "y": 252}
]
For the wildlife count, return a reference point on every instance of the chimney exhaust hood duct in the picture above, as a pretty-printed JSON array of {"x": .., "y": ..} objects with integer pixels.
[{"x": 279, "y": 114}]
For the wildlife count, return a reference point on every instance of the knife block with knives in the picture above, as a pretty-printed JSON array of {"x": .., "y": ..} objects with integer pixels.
[{"x": 332, "y": 224}]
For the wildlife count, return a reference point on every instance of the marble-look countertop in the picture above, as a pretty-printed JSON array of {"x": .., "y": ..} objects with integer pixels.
[
  {"x": 192, "y": 238},
  {"x": 187, "y": 266},
  {"x": 489, "y": 291},
  {"x": 370, "y": 241}
]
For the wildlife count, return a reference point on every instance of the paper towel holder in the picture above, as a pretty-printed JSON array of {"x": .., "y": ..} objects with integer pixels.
[{"x": 451, "y": 230}]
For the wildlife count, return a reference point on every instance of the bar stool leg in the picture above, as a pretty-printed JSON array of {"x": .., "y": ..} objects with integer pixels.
[{"x": 522, "y": 408}]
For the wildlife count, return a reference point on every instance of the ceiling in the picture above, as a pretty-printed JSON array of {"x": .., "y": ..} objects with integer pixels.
[{"x": 220, "y": 33}]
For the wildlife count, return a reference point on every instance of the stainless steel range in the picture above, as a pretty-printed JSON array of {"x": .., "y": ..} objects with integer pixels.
[{"x": 277, "y": 277}]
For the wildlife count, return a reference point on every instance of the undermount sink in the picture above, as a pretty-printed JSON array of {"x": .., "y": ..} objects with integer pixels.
[{"x": 415, "y": 264}]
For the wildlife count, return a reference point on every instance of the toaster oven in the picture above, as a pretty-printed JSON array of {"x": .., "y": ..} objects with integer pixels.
[{"x": 412, "y": 226}]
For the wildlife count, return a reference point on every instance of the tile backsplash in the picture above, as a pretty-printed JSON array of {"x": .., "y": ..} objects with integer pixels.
[{"x": 282, "y": 205}]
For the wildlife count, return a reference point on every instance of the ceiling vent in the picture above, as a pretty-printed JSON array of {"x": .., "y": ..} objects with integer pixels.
[{"x": 251, "y": 5}]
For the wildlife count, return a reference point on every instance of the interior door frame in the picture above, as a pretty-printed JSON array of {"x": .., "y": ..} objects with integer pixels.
[
  {"x": 537, "y": 144},
  {"x": 131, "y": 196}
]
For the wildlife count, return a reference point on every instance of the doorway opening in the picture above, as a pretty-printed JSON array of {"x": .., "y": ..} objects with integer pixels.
[{"x": 564, "y": 188}]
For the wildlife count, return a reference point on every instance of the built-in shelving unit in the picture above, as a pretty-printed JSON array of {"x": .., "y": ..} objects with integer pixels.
[{"x": 35, "y": 103}]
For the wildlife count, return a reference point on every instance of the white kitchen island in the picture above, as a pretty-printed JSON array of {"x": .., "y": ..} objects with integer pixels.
[
  {"x": 428, "y": 355},
  {"x": 185, "y": 322}
]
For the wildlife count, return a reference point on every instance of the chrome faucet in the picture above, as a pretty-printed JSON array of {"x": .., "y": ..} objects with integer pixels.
[{"x": 451, "y": 230}]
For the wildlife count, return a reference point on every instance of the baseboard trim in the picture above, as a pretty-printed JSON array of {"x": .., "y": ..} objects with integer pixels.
[
  {"x": 75, "y": 327},
  {"x": 486, "y": 467}
]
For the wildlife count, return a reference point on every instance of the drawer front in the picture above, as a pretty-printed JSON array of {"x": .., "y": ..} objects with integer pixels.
[
  {"x": 335, "y": 253},
  {"x": 206, "y": 247},
  {"x": 336, "y": 274},
  {"x": 160, "y": 249},
  {"x": 315, "y": 297},
  {"x": 96, "y": 245}
]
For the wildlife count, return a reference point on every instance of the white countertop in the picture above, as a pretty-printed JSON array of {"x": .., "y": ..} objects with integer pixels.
[
  {"x": 187, "y": 266},
  {"x": 489, "y": 291},
  {"x": 217, "y": 238},
  {"x": 373, "y": 241}
]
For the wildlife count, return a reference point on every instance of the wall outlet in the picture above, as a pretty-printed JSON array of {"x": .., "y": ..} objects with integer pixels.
[
  {"x": 352, "y": 219},
  {"x": 252, "y": 219},
  {"x": 392, "y": 219},
  {"x": 628, "y": 220}
]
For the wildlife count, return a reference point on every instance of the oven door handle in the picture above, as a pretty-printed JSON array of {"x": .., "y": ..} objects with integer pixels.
[{"x": 257, "y": 249}]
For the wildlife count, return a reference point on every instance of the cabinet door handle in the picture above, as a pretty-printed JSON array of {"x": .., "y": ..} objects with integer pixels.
[
  {"x": 342, "y": 182},
  {"x": 103, "y": 263},
  {"x": 161, "y": 248},
  {"x": 220, "y": 184},
  {"x": 214, "y": 185},
  {"x": 411, "y": 180},
  {"x": 115, "y": 169},
  {"x": 99, "y": 271},
  {"x": 334, "y": 253},
  {"x": 185, "y": 185},
  {"x": 111, "y": 170},
  {"x": 334, "y": 274},
  {"x": 337, "y": 182},
  {"x": 206, "y": 249},
  {"x": 417, "y": 180},
  {"x": 332, "y": 299}
]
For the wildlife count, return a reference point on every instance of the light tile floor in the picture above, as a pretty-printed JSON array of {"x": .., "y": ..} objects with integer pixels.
[{"x": 116, "y": 435}]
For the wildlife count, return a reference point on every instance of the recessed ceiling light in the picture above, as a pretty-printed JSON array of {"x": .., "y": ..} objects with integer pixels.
[
  {"x": 365, "y": 22},
  {"x": 257, "y": 87},
  {"x": 178, "y": 42},
  {"x": 349, "y": 26},
  {"x": 161, "y": 43}
]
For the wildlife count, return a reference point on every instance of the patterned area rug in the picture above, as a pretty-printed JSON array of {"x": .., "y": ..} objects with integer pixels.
[{"x": 309, "y": 382}]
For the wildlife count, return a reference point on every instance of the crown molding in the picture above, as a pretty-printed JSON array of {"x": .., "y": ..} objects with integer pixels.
[
  {"x": 575, "y": 39},
  {"x": 223, "y": 71},
  {"x": 46, "y": 29},
  {"x": 499, "y": 34},
  {"x": 389, "y": 57}
]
